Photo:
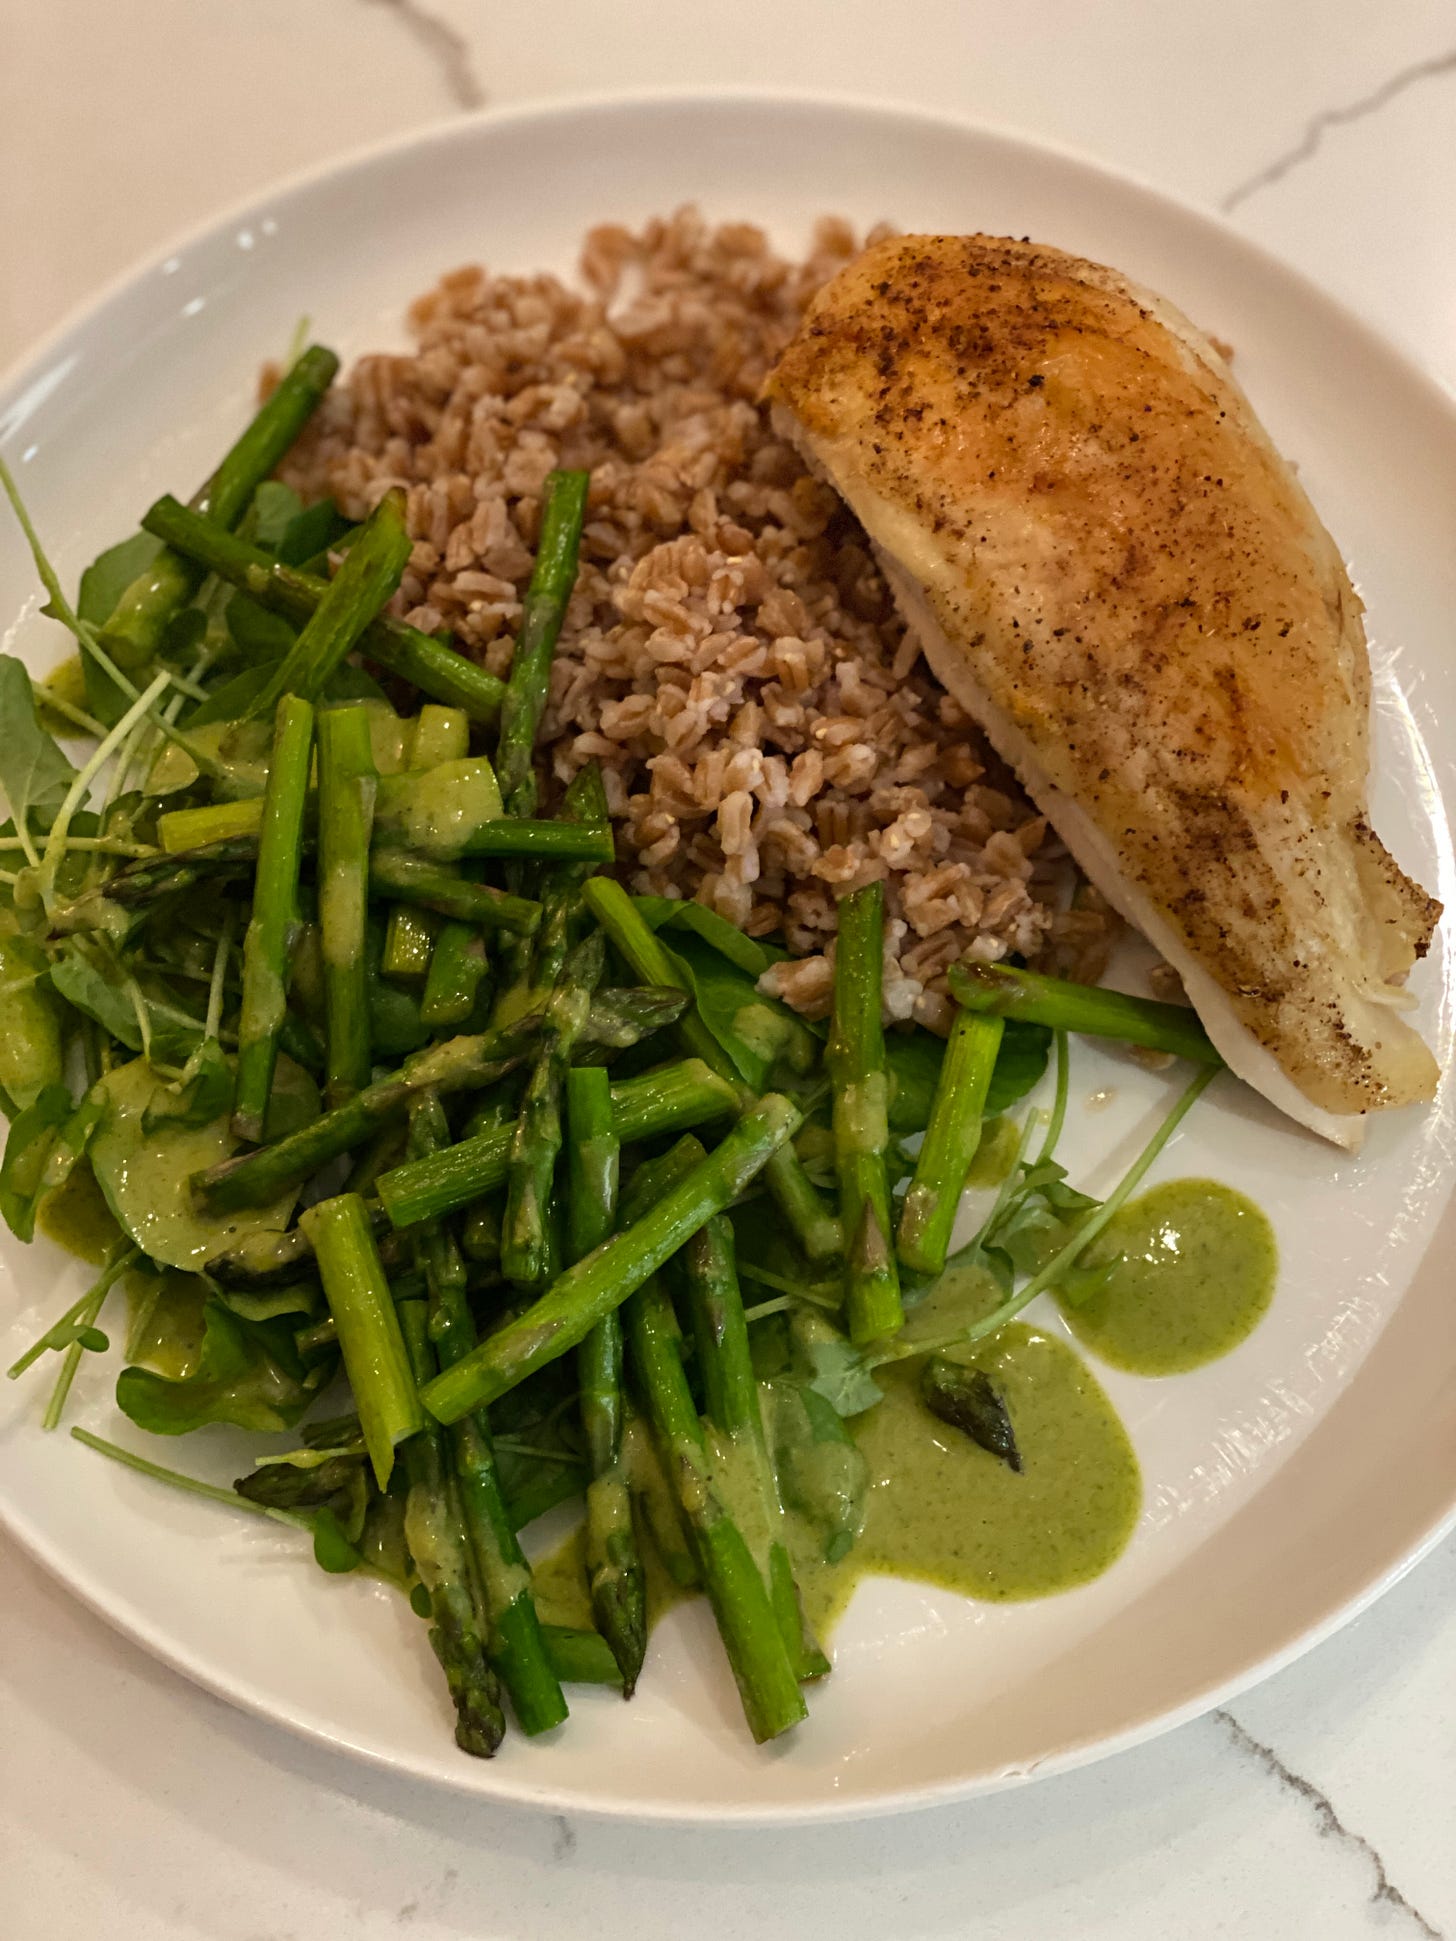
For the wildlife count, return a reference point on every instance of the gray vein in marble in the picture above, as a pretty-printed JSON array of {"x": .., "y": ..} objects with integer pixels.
[
  {"x": 1328, "y": 1823},
  {"x": 1321, "y": 124},
  {"x": 446, "y": 47}
]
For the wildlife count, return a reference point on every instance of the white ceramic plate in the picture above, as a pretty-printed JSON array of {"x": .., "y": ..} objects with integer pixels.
[{"x": 1286, "y": 1485}]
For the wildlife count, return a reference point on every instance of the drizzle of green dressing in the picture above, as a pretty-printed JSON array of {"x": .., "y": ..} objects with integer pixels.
[
  {"x": 1193, "y": 1266},
  {"x": 77, "y": 1217},
  {"x": 942, "y": 1511}
]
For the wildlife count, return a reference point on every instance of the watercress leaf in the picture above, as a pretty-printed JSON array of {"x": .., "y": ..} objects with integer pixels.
[
  {"x": 33, "y": 1134},
  {"x": 145, "y": 1177},
  {"x": 822, "y": 1470},
  {"x": 913, "y": 1059},
  {"x": 350, "y": 683},
  {"x": 302, "y": 1301},
  {"x": 842, "y": 1376},
  {"x": 274, "y": 508},
  {"x": 420, "y": 1602},
  {"x": 311, "y": 532},
  {"x": 1079, "y": 1284},
  {"x": 750, "y": 954},
  {"x": 231, "y": 701},
  {"x": 110, "y": 574},
  {"x": 258, "y": 634},
  {"x": 34, "y": 775},
  {"x": 1020, "y": 1063},
  {"x": 207, "y": 1094},
  {"x": 237, "y": 1378},
  {"x": 93, "y": 1340},
  {"x": 770, "y": 1046},
  {"x": 332, "y": 1550}
]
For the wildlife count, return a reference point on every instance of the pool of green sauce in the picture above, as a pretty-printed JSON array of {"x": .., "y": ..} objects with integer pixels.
[{"x": 1193, "y": 1265}]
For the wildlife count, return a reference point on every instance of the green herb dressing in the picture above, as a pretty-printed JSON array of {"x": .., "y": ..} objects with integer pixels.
[
  {"x": 942, "y": 1511},
  {"x": 1193, "y": 1266}
]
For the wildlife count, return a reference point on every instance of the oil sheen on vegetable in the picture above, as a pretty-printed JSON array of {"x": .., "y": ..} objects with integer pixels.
[{"x": 1193, "y": 1266}]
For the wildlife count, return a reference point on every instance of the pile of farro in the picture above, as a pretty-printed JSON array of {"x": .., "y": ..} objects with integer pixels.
[{"x": 767, "y": 731}]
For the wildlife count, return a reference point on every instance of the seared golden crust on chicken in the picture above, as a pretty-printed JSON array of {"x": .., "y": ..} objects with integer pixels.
[{"x": 1115, "y": 571}]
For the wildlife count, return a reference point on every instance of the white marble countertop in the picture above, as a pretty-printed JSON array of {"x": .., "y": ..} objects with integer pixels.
[{"x": 1320, "y": 1804}]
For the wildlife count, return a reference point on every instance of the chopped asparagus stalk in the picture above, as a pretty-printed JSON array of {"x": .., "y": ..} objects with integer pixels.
[
  {"x": 856, "y": 1060},
  {"x": 430, "y": 886},
  {"x": 614, "y": 1564},
  {"x": 525, "y": 1248},
  {"x": 934, "y": 1194},
  {"x": 346, "y": 806},
  {"x": 435, "y": 1531},
  {"x": 1003, "y": 991},
  {"x": 517, "y": 1646},
  {"x": 369, "y": 1333},
  {"x": 563, "y": 509},
  {"x": 274, "y": 923},
  {"x": 357, "y": 593},
  {"x": 747, "y": 1623}
]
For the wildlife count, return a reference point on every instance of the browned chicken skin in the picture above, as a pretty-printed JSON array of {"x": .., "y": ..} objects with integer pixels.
[{"x": 1117, "y": 574}]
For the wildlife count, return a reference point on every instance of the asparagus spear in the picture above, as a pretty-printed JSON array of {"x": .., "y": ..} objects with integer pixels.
[
  {"x": 579, "y": 1298},
  {"x": 434, "y": 1524},
  {"x": 346, "y": 805},
  {"x": 767, "y": 1685},
  {"x": 133, "y": 633},
  {"x": 431, "y": 886},
  {"x": 731, "y": 1404},
  {"x": 458, "y": 963},
  {"x": 933, "y": 1197},
  {"x": 677, "y": 1095},
  {"x": 537, "y": 1137},
  {"x": 817, "y": 1231},
  {"x": 614, "y": 1564},
  {"x": 1003, "y": 991},
  {"x": 369, "y": 1337},
  {"x": 274, "y": 922},
  {"x": 517, "y": 1646},
  {"x": 370, "y": 573},
  {"x": 856, "y": 1061},
  {"x": 427, "y": 663},
  {"x": 563, "y": 508},
  {"x": 460, "y": 1064}
]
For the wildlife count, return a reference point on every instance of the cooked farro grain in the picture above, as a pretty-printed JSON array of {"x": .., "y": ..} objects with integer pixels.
[{"x": 768, "y": 734}]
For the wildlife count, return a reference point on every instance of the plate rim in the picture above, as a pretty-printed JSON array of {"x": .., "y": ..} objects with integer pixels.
[{"x": 523, "y": 1789}]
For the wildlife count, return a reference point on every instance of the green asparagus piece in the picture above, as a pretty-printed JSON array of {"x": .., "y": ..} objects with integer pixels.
[
  {"x": 458, "y": 963},
  {"x": 273, "y": 925},
  {"x": 369, "y": 1335},
  {"x": 536, "y": 1141},
  {"x": 856, "y": 1061},
  {"x": 933, "y": 1197},
  {"x": 593, "y": 1287},
  {"x": 358, "y": 592},
  {"x": 677, "y": 1095},
  {"x": 346, "y": 806},
  {"x": 430, "y": 886},
  {"x": 767, "y": 1685},
  {"x": 1003, "y": 991},
  {"x": 419, "y": 658},
  {"x": 815, "y": 1228},
  {"x": 133, "y": 633},
  {"x": 563, "y": 509},
  {"x": 463, "y": 1064},
  {"x": 435, "y": 1531},
  {"x": 517, "y": 1647},
  {"x": 440, "y": 735},
  {"x": 731, "y": 1403},
  {"x": 409, "y": 943},
  {"x": 614, "y": 1564}
]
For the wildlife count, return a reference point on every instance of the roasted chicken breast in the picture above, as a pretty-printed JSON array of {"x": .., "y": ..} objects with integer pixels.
[{"x": 1111, "y": 567}]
